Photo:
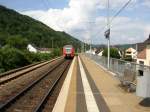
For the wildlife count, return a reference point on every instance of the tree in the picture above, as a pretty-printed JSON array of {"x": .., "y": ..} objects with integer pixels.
[
  {"x": 12, "y": 58},
  {"x": 3, "y": 37},
  {"x": 56, "y": 52},
  {"x": 17, "y": 42},
  {"x": 113, "y": 53}
]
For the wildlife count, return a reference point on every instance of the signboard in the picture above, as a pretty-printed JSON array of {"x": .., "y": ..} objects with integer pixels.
[{"x": 107, "y": 33}]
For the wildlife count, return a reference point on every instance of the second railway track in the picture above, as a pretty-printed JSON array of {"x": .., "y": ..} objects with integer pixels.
[
  {"x": 14, "y": 74},
  {"x": 32, "y": 98}
]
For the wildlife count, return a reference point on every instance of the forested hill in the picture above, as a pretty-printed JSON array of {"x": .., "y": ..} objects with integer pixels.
[{"x": 14, "y": 24}]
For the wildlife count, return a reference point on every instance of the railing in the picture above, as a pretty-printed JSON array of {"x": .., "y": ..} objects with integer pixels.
[{"x": 124, "y": 70}]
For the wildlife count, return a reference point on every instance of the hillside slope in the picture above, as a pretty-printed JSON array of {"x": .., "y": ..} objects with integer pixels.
[{"x": 12, "y": 23}]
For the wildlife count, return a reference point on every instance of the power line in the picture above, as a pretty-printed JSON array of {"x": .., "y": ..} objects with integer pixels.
[
  {"x": 126, "y": 4},
  {"x": 108, "y": 14}
]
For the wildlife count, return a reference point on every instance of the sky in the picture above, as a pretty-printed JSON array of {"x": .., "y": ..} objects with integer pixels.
[{"x": 87, "y": 19}]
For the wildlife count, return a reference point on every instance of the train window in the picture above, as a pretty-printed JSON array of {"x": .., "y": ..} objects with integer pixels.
[{"x": 68, "y": 50}]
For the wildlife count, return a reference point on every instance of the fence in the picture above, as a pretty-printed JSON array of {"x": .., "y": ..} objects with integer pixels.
[{"x": 126, "y": 71}]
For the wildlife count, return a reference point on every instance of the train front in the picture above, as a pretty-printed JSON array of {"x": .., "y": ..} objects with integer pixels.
[{"x": 68, "y": 51}]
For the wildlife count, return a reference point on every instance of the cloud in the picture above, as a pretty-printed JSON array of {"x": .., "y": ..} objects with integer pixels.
[
  {"x": 146, "y": 3},
  {"x": 81, "y": 19}
]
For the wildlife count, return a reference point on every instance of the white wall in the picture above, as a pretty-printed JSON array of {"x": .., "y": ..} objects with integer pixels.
[
  {"x": 148, "y": 55},
  {"x": 31, "y": 48}
]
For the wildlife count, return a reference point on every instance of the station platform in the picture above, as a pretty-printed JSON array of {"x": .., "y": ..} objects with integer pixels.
[{"x": 90, "y": 88}]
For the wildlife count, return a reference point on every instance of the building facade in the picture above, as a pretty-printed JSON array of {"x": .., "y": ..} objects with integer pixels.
[{"x": 143, "y": 56}]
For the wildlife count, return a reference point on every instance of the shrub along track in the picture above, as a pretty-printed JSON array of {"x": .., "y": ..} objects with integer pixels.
[{"x": 32, "y": 97}]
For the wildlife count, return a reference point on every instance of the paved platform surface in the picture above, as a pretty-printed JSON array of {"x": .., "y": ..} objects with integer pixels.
[{"x": 92, "y": 89}]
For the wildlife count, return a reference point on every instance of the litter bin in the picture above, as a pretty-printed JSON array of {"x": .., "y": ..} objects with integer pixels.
[{"x": 143, "y": 83}]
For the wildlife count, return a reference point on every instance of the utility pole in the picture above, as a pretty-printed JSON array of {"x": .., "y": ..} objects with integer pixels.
[
  {"x": 91, "y": 46},
  {"x": 52, "y": 43},
  {"x": 85, "y": 48},
  {"x": 107, "y": 35}
]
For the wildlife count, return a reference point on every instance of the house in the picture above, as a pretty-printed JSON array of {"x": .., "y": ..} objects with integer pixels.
[
  {"x": 130, "y": 52},
  {"x": 143, "y": 56},
  {"x": 31, "y": 48},
  {"x": 100, "y": 53},
  {"x": 90, "y": 52},
  {"x": 34, "y": 49}
]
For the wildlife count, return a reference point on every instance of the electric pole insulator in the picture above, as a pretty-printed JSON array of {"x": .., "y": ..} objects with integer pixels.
[{"x": 107, "y": 34}]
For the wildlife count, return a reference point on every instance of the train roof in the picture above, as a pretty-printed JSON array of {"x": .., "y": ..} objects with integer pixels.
[{"x": 68, "y": 46}]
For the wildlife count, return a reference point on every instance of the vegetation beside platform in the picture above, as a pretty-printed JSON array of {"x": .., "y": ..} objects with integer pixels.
[{"x": 11, "y": 58}]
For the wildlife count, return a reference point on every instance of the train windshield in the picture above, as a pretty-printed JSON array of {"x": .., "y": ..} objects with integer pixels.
[{"x": 68, "y": 50}]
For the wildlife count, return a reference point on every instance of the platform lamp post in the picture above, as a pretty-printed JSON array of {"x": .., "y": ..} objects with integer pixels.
[
  {"x": 52, "y": 42},
  {"x": 91, "y": 45},
  {"x": 107, "y": 35}
]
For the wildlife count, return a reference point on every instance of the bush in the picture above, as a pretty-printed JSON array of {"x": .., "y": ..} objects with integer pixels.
[
  {"x": 35, "y": 57},
  {"x": 17, "y": 42},
  {"x": 113, "y": 53},
  {"x": 56, "y": 52},
  {"x": 12, "y": 58},
  {"x": 128, "y": 58},
  {"x": 44, "y": 56}
]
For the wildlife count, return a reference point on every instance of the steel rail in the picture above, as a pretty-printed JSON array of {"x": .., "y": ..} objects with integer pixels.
[
  {"x": 23, "y": 73},
  {"x": 19, "y": 69},
  {"x": 22, "y": 68},
  {"x": 44, "y": 99},
  {"x": 3, "y": 106}
]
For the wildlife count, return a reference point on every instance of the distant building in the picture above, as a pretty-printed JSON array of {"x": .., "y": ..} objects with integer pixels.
[
  {"x": 34, "y": 49},
  {"x": 44, "y": 50},
  {"x": 100, "y": 53},
  {"x": 143, "y": 56},
  {"x": 130, "y": 52},
  {"x": 31, "y": 48},
  {"x": 90, "y": 52}
]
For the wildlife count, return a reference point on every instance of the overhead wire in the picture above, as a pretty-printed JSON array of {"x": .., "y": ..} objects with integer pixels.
[
  {"x": 110, "y": 20},
  {"x": 124, "y": 6},
  {"x": 113, "y": 18}
]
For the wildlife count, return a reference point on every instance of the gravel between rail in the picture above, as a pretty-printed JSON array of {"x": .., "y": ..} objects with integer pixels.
[
  {"x": 13, "y": 87},
  {"x": 13, "y": 74},
  {"x": 30, "y": 99}
]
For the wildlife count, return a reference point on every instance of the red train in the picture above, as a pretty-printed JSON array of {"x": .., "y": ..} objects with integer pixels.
[{"x": 68, "y": 51}]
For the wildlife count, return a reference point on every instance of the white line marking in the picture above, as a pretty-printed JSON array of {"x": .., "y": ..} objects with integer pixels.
[
  {"x": 62, "y": 98},
  {"x": 90, "y": 100}
]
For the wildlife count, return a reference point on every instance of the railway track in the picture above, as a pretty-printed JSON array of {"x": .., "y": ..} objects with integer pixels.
[
  {"x": 33, "y": 97},
  {"x": 13, "y": 74}
]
